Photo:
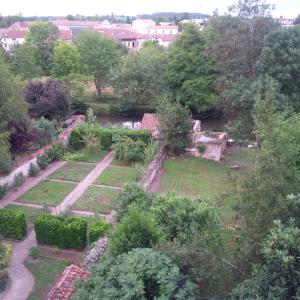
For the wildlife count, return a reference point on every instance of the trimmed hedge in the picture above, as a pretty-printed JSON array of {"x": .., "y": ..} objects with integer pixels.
[
  {"x": 97, "y": 230},
  {"x": 106, "y": 135},
  {"x": 13, "y": 224},
  {"x": 63, "y": 232}
]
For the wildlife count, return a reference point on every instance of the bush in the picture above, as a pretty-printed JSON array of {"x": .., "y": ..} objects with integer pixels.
[
  {"x": 34, "y": 252},
  {"x": 34, "y": 170},
  {"x": 43, "y": 161},
  {"x": 150, "y": 151},
  {"x": 97, "y": 230},
  {"x": 19, "y": 179},
  {"x": 201, "y": 148},
  {"x": 136, "y": 230},
  {"x": 5, "y": 156},
  {"x": 46, "y": 131},
  {"x": 13, "y": 224},
  {"x": 77, "y": 156},
  {"x": 63, "y": 232},
  {"x": 2, "y": 191},
  {"x": 56, "y": 152}
]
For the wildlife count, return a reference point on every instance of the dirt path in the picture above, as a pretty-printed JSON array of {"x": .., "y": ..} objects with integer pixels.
[{"x": 155, "y": 185}]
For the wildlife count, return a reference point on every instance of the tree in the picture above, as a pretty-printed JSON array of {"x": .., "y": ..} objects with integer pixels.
[
  {"x": 46, "y": 131},
  {"x": 297, "y": 20},
  {"x": 5, "y": 156},
  {"x": 138, "y": 274},
  {"x": 24, "y": 62},
  {"x": 277, "y": 277},
  {"x": 175, "y": 122},
  {"x": 43, "y": 37},
  {"x": 48, "y": 99},
  {"x": 136, "y": 230},
  {"x": 99, "y": 54},
  {"x": 280, "y": 59},
  {"x": 138, "y": 77},
  {"x": 190, "y": 74}
]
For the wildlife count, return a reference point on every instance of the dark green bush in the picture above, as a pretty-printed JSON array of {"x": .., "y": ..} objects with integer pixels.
[
  {"x": 5, "y": 162},
  {"x": 13, "y": 224},
  {"x": 19, "y": 179},
  {"x": 56, "y": 152},
  {"x": 43, "y": 161},
  {"x": 34, "y": 170},
  {"x": 2, "y": 191},
  {"x": 97, "y": 230},
  {"x": 201, "y": 148},
  {"x": 106, "y": 135},
  {"x": 63, "y": 232}
]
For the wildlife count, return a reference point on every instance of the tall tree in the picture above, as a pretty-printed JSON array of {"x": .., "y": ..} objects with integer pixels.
[
  {"x": 99, "y": 54},
  {"x": 43, "y": 37}
]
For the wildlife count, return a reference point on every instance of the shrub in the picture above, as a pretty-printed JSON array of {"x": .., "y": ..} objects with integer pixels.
[
  {"x": 12, "y": 224},
  {"x": 34, "y": 170},
  {"x": 77, "y": 156},
  {"x": 5, "y": 255},
  {"x": 34, "y": 252},
  {"x": 136, "y": 230},
  {"x": 97, "y": 230},
  {"x": 43, "y": 161},
  {"x": 56, "y": 152},
  {"x": 2, "y": 191},
  {"x": 201, "y": 148},
  {"x": 5, "y": 157},
  {"x": 19, "y": 179},
  {"x": 61, "y": 231},
  {"x": 46, "y": 131},
  {"x": 150, "y": 151}
]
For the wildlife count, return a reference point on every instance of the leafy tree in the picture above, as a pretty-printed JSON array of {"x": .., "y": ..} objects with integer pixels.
[
  {"x": 138, "y": 274},
  {"x": 136, "y": 230},
  {"x": 175, "y": 122},
  {"x": 46, "y": 131},
  {"x": 297, "y": 20},
  {"x": 190, "y": 74},
  {"x": 48, "y": 99},
  {"x": 24, "y": 61},
  {"x": 277, "y": 277},
  {"x": 43, "y": 36},
  {"x": 99, "y": 54},
  {"x": 280, "y": 59},
  {"x": 138, "y": 77},
  {"x": 5, "y": 156}
]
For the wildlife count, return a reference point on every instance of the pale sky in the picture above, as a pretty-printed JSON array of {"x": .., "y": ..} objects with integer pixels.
[{"x": 286, "y": 8}]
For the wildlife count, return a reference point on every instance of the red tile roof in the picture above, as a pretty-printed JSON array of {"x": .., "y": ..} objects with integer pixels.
[
  {"x": 150, "y": 122},
  {"x": 69, "y": 23},
  {"x": 120, "y": 33},
  {"x": 15, "y": 34},
  {"x": 63, "y": 288},
  {"x": 65, "y": 35}
]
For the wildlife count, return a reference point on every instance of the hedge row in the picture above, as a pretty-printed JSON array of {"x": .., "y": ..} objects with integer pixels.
[
  {"x": 97, "y": 230},
  {"x": 106, "y": 135},
  {"x": 13, "y": 224},
  {"x": 63, "y": 232}
]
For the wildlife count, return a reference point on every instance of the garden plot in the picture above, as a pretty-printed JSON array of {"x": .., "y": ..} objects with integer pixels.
[
  {"x": 98, "y": 200},
  {"x": 117, "y": 176},
  {"x": 47, "y": 193},
  {"x": 72, "y": 171}
]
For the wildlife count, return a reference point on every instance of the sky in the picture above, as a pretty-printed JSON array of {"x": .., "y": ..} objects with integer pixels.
[{"x": 286, "y": 8}]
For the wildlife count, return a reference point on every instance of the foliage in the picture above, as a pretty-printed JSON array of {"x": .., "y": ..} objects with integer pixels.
[
  {"x": 63, "y": 232},
  {"x": 5, "y": 255},
  {"x": 138, "y": 77},
  {"x": 128, "y": 149},
  {"x": 5, "y": 156},
  {"x": 277, "y": 277},
  {"x": 13, "y": 224},
  {"x": 19, "y": 179},
  {"x": 97, "y": 230},
  {"x": 201, "y": 148},
  {"x": 90, "y": 117},
  {"x": 48, "y": 99},
  {"x": 43, "y": 161},
  {"x": 43, "y": 36},
  {"x": 175, "y": 122},
  {"x": 91, "y": 142},
  {"x": 46, "y": 131},
  {"x": 34, "y": 252},
  {"x": 135, "y": 230},
  {"x": 139, "y": 274},
  {"x": 99, "y": 54},
  {"x": 56, "y": 152},
  {"x": 34, "y": 170},
  {"x": 150, "y": 151},
  {"x": 132, "y": 194},
  {"x": 190, "y": 74},
  {"x": 2, "y": 191}
]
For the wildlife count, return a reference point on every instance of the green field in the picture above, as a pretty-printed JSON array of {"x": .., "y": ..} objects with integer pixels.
[
  {"x": 95, "y": 199},
  {"x": 47, "y": 193},
  {"x": 117, "y": 176}
]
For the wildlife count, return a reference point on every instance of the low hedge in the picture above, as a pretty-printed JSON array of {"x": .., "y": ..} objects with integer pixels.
[
  {"x": 13, "y": 224},
  {"x": 106, "y": 135},
  {"x": 97, "y": 230},
  {"x": 63, "y": 232}
]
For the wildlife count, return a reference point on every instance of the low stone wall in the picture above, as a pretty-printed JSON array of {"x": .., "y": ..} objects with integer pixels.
[
  {"x": 24, "y": 164},
  {"x": 152, "y": 169}
]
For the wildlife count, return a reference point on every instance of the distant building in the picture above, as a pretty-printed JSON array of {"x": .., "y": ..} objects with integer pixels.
[
  {"x": 200, "y": 23},
  {"x": 285, "y": 22},
  {"x": 141, "y": 25},
  {"x": 9, "y": 39}
]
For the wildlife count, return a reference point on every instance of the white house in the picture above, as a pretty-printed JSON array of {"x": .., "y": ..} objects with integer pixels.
[
  {"x": 141, "y": 25},
  {"x": 162, "y": 29},
  {"x": 11, "y": 39}
]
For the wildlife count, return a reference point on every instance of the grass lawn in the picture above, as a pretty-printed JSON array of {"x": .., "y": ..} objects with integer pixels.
[
  {"x": 48, "y": 193},
  {"x": 73, "y": 171},
  {"x": 93, "y": 157},
  {"x": 30, "y": 212},
  {"x": 121, "y": 163},
  {"x": 45, "y": 271},
  {"x": 95, "y": 199},
  {"x": 117, "y": 176},
  {"x": 191, "y": 176}
]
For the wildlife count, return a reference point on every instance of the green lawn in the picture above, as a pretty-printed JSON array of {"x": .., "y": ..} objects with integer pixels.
[
  {"x": 121, "y": 163},
  {"x": 73, "y": 171},
  {"x": 48, "y": 193},
  {"x": 117, "y": 176},
  {"x": 95, "y": 157},
  {"x": 192, "y": 176},
  {"x": 95, "y": 199},
  {"x": 30, "y": 212},
  {"x": 45, "y": 271}
]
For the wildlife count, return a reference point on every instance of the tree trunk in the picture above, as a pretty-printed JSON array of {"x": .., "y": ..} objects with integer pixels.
[{"x": 98, "y": 86}]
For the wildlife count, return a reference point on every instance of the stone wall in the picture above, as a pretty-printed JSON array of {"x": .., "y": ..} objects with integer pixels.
[
  {"x": 152, "y": 169},
  {"x": 24, "y": 164}
]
